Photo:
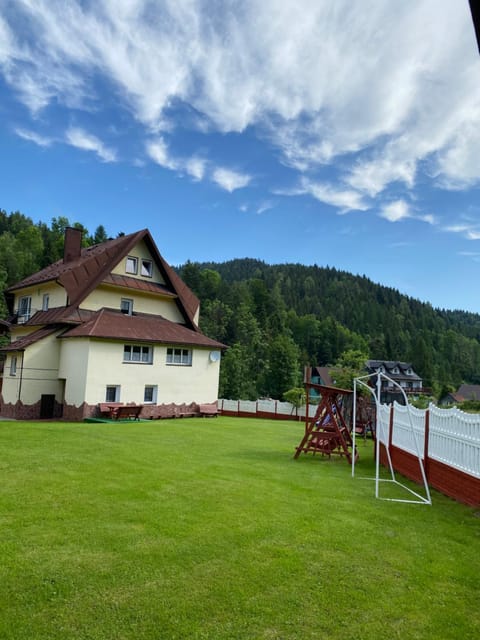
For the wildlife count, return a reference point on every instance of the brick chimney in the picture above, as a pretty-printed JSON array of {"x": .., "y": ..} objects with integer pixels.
[{"x": 72, "y": 247}]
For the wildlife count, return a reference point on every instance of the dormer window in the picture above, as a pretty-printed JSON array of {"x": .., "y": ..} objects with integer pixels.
[
  {"x": 131, "y": 265},
  {"x": 409, "y": 371},
  {"x": 126, "y": 306},
  {"x": 147, "y": 268},
  {"x": 395, "y": 370}
]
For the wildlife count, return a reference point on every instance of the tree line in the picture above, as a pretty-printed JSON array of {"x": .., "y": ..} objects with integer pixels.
[{"x": 276, "y": 319}]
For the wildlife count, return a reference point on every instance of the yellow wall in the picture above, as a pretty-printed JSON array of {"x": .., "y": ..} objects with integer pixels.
[
  {"x": 107, "y": 296},
  {"x": 37, "y": 373},
  {"x": 57, "y": 296},
  {"x": 73, "y": 368},
  {"x": 140, "y": 251},
  {"x": 105, "y": 367}
]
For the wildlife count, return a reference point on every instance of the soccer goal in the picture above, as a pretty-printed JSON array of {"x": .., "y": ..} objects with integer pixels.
[{"x": 382, "y": 436}]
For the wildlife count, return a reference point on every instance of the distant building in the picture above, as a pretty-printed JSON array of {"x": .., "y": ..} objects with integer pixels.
[
  {"x": 464, "y": 392},
  {"x": 400, "y": 372}
]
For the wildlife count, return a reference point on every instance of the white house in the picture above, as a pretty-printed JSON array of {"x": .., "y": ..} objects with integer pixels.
[{"x": 108, "y": 323}]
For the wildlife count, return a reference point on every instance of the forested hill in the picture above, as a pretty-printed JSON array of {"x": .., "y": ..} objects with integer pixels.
[
  {"x": 278, "y": 318},
  {"x": 321, "y": 312}
]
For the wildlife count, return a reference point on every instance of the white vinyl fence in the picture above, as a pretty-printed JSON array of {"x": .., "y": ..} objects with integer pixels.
[
  {"x": 272, "y": 407},
  {"x": 453, "y": 435}
]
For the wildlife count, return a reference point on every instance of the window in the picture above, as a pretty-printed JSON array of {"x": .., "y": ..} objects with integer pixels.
[
  {"x": 45, "y": 301},
  {"x": 179, "y": 356},
  {"x": 24, "y": 308},
  {"x": 137, "y": 353},
  {"x": 131, "y": 265},
  {"x": 147, "y": 268},
  {"x": 150, "y": 393},
  {"x": 126, "y": 306},
  {"x": 13, "y": 366},
  {"x": 112, "y": 393},
  {"x": 395, "y": 370}
]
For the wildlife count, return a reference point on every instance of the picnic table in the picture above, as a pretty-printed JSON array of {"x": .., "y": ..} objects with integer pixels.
[{"x": 128, "y": 412}]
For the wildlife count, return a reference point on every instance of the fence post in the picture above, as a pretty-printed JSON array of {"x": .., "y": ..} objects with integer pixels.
[
  {"x": 426, "y": 460},
  {"x": 390, "y": 428}
]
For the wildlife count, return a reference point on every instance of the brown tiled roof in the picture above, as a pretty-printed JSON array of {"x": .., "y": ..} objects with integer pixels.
[
  {"x": 25, "y": 341},
  {"x": 114, "y": 325},
  {"x": 82, "y": 275},
  {"x": 140, "y": 285},
  {"x": 467, "y": 392},
  {"x": 57, "y": 315}
]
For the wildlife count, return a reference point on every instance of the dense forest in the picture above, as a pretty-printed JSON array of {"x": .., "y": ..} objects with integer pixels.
[{"x": 276, "y": 319}]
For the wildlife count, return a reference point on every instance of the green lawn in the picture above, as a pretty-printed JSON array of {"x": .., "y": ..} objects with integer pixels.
[{"x": 207, "y": 528}]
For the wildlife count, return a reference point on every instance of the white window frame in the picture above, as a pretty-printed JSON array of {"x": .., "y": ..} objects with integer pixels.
[
  {"x": 126, "y": 306},
  {"x": 25, "y": 314},
  {"x": 131, "y": 265},
  {"x": 154, "y": 393},
  {"x": 146, "y": 268},
  {"x": 116, "y": 388},
  {"x": 137, "y": 354},
  {"x": 13, "y": 365},
  {"x": 179, "y": 356}
]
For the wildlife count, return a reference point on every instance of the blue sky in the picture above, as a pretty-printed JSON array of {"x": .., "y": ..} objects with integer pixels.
[{"x": 319, "y": 132}]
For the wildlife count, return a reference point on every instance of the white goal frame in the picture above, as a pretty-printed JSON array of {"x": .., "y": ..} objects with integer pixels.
[{"x": 385, "y": 437}]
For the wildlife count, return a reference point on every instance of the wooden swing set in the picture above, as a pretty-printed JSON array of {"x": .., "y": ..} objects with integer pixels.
[{"x": 327, "y": 432}]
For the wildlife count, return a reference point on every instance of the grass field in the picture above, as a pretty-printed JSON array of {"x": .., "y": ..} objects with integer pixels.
[{"x": 208, "y": 529}]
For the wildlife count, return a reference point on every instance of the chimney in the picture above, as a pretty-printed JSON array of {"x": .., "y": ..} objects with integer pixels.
[{"x": 73, "y": 244}]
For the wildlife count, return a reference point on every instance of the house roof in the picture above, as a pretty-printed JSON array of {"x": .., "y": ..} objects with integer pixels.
[
  {"x": 467, "y": 392},
  {"x": 389, "y": 365},
  {"x": 114, "y": 325},
  {"x": 25, "y": 341},
  {"x": 83, "y": 274},
  {"x": 324, "y": 374}
]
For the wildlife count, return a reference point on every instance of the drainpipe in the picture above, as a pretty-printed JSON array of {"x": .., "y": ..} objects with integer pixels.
[{"x": 21, "y": 377}]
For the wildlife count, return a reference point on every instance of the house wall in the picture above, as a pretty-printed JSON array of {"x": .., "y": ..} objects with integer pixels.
[
  {"x": 36, "y": 375},
  {"x": 57, "y": 296},
  {"x": 101, "y": 364},
  {"x": 140, "y": 251},
  {"x": 105, "y": 296},
  {"x": 73, "y": 368},
  {"x": 11, "y": 384}
]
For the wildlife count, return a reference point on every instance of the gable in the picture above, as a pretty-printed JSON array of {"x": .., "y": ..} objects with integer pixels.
[{"x": 81, "y": 272}]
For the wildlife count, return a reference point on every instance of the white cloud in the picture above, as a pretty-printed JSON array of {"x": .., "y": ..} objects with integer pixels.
[
  {"x": 387, "y": 89},
  {"x": 159, "y": 153},
  {"x": 468, "y": 231},
  {"x": 395, "y": 211},
  {"x": 196, "y": 167},
  {"x": 230, "y": 180},
  {"x": 82, "y": 140},
  {"x": 31, "y": 136},
  {"x": 343, "y": 199},
  {"x": 265, "y": 205}
]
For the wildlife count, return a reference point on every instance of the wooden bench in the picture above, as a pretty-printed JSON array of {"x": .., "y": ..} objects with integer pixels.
[
  {"x": 128, "y": 412},
  {"x": 208, "y": 410},
  {"x": 109, "y": 409}
]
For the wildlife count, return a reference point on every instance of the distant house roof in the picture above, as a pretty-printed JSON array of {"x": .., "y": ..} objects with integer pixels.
[
  {"x": 390, "y": 366},
  {"x": 114, "y": 325},
  {"x": 82, "y": 274},
  {"x": 323, "y": 373},
  {"x": 467, "y": 392}
]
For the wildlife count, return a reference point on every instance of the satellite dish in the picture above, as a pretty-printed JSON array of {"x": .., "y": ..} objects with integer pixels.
[{"x": 214, "y": 356}]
